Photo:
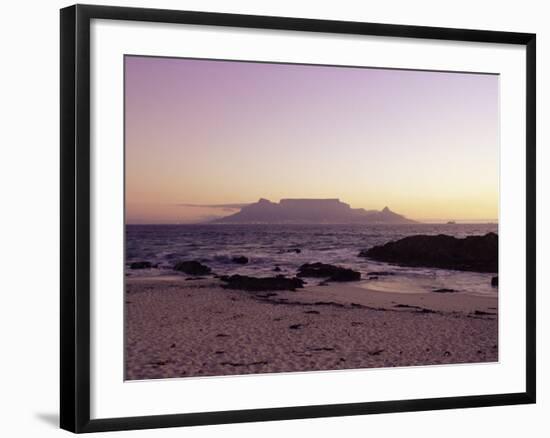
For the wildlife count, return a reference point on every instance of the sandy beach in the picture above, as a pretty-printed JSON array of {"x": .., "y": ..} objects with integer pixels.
[{"x": 177, "y": 327}]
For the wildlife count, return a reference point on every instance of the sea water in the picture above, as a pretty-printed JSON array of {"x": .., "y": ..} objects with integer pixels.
[{"x": 289, "y": 246}]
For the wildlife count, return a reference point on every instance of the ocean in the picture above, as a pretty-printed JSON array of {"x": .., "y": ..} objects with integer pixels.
[{"x": 289, "y": 246}]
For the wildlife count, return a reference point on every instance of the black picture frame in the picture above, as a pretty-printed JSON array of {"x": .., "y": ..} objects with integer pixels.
[{"x": 75, "y": 217}]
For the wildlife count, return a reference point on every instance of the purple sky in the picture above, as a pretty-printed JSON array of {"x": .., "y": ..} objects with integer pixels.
[{"x": 219, "y": 132}]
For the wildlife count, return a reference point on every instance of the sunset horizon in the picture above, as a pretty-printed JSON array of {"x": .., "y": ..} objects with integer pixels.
[
  {"x": 210, "y": 212},
  {"x": 211, "y": 132}
]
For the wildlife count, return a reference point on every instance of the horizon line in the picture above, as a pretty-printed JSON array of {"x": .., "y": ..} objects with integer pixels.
[{"x": 420, "y": 222}]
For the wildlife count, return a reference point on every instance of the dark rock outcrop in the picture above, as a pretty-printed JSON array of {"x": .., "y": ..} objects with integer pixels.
[
  {"x": 255, "y": 284},
  {"x": 473, "y": 253},
  {"x": 192, "y": 268},
  {"x": 330, "y": 272},
  {"x": 241, "y": 260},
  {"x": 445, "y": 290},
  {"x": 141, "y": 265}
]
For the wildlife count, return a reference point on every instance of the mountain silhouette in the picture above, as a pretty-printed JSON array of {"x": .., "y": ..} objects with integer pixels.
[{"x": 311, "y": 211}]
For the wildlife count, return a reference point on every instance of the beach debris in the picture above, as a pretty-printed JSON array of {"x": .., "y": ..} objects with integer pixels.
[
  {"x": 222, "y": 335},
  {"x": 326, "y": 303},
  {"x": 494, "y": 281},
  {"x": 321, "y": 349},
  {"x": 141, "y": 265},
  {"x": 295, "y": 326},
  {"x": 259, "y": 284},
  {"x": 444, "y": 290},
  {"x": 244, "y": 364},
  {"x": 241, "y": 260},
  {"x": 424, "y": 310},
  {"x": 192, "y": 267},
  {"x": 276, "y": 269},
  {"x": 267, "y": 295},
  {"x": 376, "y": 352},
  {"x": 407, "y": 306},
  {"x": 312, "y": 312},
  {"x": 331, "y": 272},
  {"x": 472, "y": 253},
  {"x": 380, "y": 273},
  {"x": 159, "y": 363},
  {"x": 447, "y": 354}
]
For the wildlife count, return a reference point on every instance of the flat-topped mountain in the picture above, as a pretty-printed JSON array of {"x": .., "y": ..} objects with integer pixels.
[{"x": 311, "y": 211}]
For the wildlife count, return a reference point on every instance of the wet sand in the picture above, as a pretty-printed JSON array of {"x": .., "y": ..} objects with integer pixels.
[{"x": 183, "y": 328}]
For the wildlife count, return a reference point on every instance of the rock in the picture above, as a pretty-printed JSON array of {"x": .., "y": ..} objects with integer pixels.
[
  {"x": 295, "y": 250},
  {"x": 473, "y": 253},
  {"x": 192, "y": 268},
  {"x": 445, "y": 290},
  {"x": 380, "y": 273},
  {"x": 276, "y": 269},
  {"x": 255, "y": 284},
  {"x": 241, "y": 260},
  {"x": 481, "y": 313},
  {"x": 330, "y": 272},
  {"x": 494, "y": 281},
  {"x": 141, "y": 265}
]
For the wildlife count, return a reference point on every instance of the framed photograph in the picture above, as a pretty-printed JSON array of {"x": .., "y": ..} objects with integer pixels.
[{"x": 268, "y": 218}]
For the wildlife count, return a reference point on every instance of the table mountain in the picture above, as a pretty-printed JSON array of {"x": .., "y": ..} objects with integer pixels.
[{"x": 311, "y": 211}]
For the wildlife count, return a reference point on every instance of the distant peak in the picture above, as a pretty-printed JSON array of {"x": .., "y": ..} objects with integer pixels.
[{"x": 312, "y": 211}]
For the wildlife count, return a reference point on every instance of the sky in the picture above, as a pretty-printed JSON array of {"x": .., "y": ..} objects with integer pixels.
[{"x": 204, "y": 136}]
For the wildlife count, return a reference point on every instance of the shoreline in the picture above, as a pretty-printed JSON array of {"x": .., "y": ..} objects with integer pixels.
[{"x": 176, "y": 327}]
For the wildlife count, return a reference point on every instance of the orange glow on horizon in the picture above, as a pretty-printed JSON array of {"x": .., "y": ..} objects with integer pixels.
[{"x": 425, "y": 144}]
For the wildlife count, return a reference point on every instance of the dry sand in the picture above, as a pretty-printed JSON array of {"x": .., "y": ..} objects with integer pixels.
[{"x": 181, "y": 328}]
